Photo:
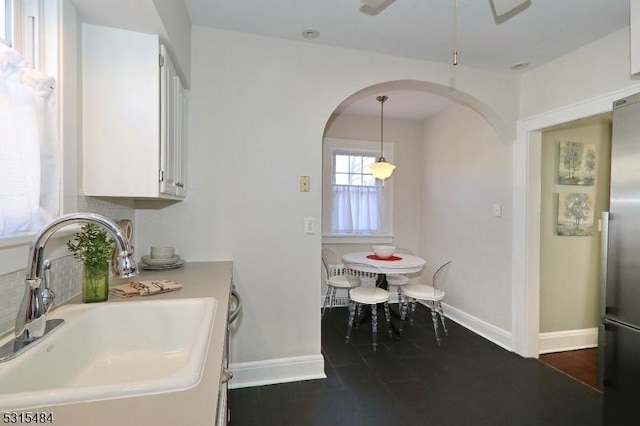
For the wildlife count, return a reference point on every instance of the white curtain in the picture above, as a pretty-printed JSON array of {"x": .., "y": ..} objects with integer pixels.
[
  {"x": 357, "y": 209},
  {"x": 29, "y": 158}
]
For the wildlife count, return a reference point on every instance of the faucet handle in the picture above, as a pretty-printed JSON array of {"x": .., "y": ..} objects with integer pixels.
[
  {"x": 127, "y": 266},
  {"x": 48, "y": 295}
]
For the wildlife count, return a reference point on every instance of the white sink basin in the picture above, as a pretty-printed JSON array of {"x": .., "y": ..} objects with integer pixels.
[{"x": 112, "y": 350}]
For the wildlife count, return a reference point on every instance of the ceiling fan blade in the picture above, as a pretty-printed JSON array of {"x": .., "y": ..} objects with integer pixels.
[
  {"x": 506, "y": 9},
  {"x": 373, "y": 3},
  {"x": 373, "y": 7}
]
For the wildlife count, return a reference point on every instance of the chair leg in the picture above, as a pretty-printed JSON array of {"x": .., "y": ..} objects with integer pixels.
[
  {"x": 358, "y": 314},
  {"x": 374, "y": 326},
  {"x": 388, "y": 317},
  {"x": 441, "y": 313},
  {"x": 352, "y": 314},
  {"x": 413, "y": 310},
  {"x": 403, "y": 313},
  {"x": 434, "y": 319},
  {"x": 332, "y": 299},
  {"x": 327, "y": 299}
]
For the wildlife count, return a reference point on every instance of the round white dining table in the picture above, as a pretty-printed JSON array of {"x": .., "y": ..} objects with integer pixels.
[{"x": 407, "y": 263}]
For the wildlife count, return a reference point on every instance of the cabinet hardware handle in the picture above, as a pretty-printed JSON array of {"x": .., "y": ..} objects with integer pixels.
[
  {"x": 226, "y": 376},
  {"x": 233, "y": 315}
]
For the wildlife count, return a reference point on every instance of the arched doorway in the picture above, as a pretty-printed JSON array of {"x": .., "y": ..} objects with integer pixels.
[{"x": 450, "y": 182}]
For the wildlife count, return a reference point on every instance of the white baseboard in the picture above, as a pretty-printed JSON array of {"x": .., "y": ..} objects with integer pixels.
[
  {"x": 283, "y": 370},
  {"x": 569, "y": 340},
  {"x": 489, "y": 331}
]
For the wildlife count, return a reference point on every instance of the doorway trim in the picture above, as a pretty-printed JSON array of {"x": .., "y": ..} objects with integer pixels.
[{"x": 525, "y": 318}]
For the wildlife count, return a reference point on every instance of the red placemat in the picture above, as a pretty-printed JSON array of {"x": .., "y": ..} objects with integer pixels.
[{"x": 375, "y": 257}]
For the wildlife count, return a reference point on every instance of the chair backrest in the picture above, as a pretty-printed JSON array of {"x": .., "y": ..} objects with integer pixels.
[
  {"x": 329, "y": 257},
  {"x": 440, "y": 274},
  {"x": 332, "y": 266},
  {"x": 362, "y": 274}
]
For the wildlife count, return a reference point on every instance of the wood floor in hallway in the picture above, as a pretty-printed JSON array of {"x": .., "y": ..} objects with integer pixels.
[{"x": 581, "y": 365}]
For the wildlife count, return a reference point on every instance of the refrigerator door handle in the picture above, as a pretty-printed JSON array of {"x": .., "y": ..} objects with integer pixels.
[{"x": 604, "y": 253}]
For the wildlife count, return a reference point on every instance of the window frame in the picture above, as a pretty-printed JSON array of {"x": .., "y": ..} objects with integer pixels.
[{"x": 333, "y": 146}]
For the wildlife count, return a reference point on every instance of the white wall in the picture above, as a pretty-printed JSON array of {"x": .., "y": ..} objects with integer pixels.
[
  {"x": 258, "y": 109},
  {"x": 466, "y": 169},
  {"x": 177, "y": 32},
  {"x": 589, "y": 72}
]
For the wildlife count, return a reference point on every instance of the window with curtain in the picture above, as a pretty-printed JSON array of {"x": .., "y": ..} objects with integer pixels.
[
  {"x": 29, "y": 150},
  {"x": 358, "y": 202}
]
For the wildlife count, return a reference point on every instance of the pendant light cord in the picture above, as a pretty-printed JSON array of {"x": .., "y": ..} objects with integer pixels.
[
  {"x": 381, "y": 99},
  {"x": 455, "y": 32}
]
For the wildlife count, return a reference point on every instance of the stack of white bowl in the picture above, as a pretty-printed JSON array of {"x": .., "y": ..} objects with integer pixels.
[{"x": 161, "y": 256}]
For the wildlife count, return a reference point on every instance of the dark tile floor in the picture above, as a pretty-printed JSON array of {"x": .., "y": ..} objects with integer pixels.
[{"x": 409, "y": 380}]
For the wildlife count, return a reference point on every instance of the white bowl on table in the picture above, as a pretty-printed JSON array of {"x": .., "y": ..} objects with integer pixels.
[{"x": 384, "y": 252}]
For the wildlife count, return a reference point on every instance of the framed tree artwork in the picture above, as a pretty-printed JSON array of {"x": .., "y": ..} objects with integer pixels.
[
  {"x": 576, "y": 163},
  {"x": 575, "y": 214}
]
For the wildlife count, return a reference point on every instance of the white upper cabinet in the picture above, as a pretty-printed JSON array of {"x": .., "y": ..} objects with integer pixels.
[
  {"x": 134, "y": 135},
  {"x": 634, "y": 36}
]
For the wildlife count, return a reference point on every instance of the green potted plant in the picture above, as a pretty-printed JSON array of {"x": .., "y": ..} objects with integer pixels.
[{"x": 94, "y": 248}]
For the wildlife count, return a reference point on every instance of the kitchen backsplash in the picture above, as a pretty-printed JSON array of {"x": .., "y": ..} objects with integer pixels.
[{"x": 66, "y": 272}]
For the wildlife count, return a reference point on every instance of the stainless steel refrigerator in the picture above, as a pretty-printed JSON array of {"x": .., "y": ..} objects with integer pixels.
[{"x": 620, "y": 329}]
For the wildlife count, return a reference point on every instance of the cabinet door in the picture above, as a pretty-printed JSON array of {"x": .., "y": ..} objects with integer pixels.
[
  {"x": 174, "y": 130},
  {"x": 181, "y": 139},
  {"x": 169, "y": 132},
  {"x": 121, "y": 111}
]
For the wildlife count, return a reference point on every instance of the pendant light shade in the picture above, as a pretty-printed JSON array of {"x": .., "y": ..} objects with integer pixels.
[{"x": 382, "y": 169}]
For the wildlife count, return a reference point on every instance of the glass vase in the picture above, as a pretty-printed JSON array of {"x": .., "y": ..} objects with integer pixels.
[{"x": 95, "y": 284}]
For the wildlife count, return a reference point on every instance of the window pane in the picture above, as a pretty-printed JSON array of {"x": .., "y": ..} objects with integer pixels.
[
  {"x": 356, "y": 164},
  {"x": 367, "y": 161},
  {"x": 3, "y": 29},
  {"x": 5, "y": 21},
  {"x": 353, "y": 169},
  {"x": 369, "y": 180},
  {"x": 342, "y": 179},
  {"x": 342, "y": 163}
]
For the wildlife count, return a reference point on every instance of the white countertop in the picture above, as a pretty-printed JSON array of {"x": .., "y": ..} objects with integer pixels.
[{"x": 194, "y": 407}]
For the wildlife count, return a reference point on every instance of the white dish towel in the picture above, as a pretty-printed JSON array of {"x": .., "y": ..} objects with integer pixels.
[{"x": 145, "y": 288}]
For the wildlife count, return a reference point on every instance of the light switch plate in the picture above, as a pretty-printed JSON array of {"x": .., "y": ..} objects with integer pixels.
[
  {"x": 309, "y": 225},
  {"x": 305, "y": 184}
]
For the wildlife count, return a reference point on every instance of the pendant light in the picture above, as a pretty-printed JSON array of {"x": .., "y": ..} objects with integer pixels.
[{"x": 382, "y": 169}]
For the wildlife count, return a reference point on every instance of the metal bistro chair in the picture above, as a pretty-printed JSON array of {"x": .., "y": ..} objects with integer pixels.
[
  {"x": 364, "y": 291},
  {"x": 431, "y": 294},
  {"x": 334, "y": 278}
]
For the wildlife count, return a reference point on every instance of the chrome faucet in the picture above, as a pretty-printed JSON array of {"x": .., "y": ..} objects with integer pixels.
[{"x": 31, "y": 322}]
